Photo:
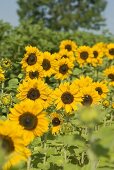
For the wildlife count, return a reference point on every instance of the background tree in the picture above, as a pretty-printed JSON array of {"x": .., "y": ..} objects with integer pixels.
[{"x": 63, "y": 14}]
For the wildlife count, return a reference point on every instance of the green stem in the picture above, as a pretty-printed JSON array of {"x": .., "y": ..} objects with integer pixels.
[{"x": 28, "y": 163}]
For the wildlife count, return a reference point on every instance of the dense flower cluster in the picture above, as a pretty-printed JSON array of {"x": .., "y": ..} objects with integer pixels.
[{"x": 50, "y": 82}]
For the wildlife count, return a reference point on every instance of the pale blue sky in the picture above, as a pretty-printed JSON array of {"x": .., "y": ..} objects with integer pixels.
[{"x": 8, "y": 13}]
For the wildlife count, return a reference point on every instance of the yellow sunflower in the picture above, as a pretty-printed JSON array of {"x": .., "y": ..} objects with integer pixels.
[
  {"x": 35, "y": 72},
  {"x": 31, "y": 57},
  {"x": 83, "y": 81},
  {"x": 97, "y": 56},
  {"x": 101, "y": 45},
  {"x": 47, "y": 61},
  {"x": 32, "y": 121},
  {"x": 84, "y": 55},
  {"x": 1, "y": 74},
  {"x": 56, "y": 121},
  {"x": 36, "y": 91},
  {"x": 12, "y": 144},
  {"x": 63, "y": 69},
  {"x": 66, "y": 54},
  {"x": 89, "y": 96},
  {"x": 109, "y": 51},
  {"x": 101, "y": 88},
  {"x": 109, "y": 72},
  {"x": 68, "y": 45},
  {"x": 67, "y": 97}
]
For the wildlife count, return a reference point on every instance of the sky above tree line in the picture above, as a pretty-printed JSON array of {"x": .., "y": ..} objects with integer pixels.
[{"x": 8, "y": 13}]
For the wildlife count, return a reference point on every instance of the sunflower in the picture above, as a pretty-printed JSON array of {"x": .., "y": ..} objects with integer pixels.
[
  {"x": 67, "y": 97},
  {"x": 35, "y": 90},
  {"x": 32, "y": 121},
  {"x": 12, "y": 144},
  {"x": 109, "y": 51},
  {"x": 83, "y": 81},
  {"x": 109, "y": 72},
  {"x": 47, "y": 61},
  {"x": 63, "y": 69},
  {"x": 66, "y": 54},
  {"x": 1, "y": 74},
  {"x": 68, "y": 45},
  {"x": 101, "y": 88},
  {"x": 56, "y": 121},
  {"x": 31, "y": 57},
  {"x": 97, "y": 56},
  {"x": 6, "y": 63},
  {"x": 89, "y": 96},
  {"x": 35, "y": 72},
  {"x": 101, "y": 45},
  {"x": 84, "y": 55}
]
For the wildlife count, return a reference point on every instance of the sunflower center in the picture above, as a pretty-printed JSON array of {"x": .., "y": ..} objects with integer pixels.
[
  {"x": 56, "y": 121},
  {"x": 7, "y": 144},
  {"x": 111, "y": 76},
  {"x": 68, "y": 47},
  {"x": 111, "y": 51},
  {"x": 67, "y": 98},
  {"x": 33, "y": 74},
  {"x": 95, "y": 53},
  {"x": 63, "y": 69},
  {"x": 28, "y": 121},
  {"x": 46, "y": 64},
  {"x": 99, "y": 90},
  {"x": 33, "y": 94},
  {"x": 87, "y": 100},
  {"x": 84, "y": 55},
  {"x": 32, "y": 59},
  {"x": 64, "y": 56}
]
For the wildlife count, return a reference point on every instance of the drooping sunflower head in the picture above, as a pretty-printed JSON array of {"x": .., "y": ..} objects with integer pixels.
[
  {"x": 35, "y": 72},
  {"x": 56, "y": 122},
  {"x": 36, "y": 91},
  {"x": 29, "y": 116},
  {"x": 2, "y": 77},
  {"x": 84, "y": 55},
  {"x": 66, "y": 54},
  {"x": 63, "y": 69},
  {"x": 68, "y": 45},
  {"x": 101, "y": 88},
  {"x": 97, "y": 56},
  {"x": 90, "y": 96},
  {"x": 31, "y": 57},
  {"x": 67, "y": 97},
  {"x": 109, "y": 73},
  {"x": 109, "y": 51},
  {"x": 47, "y": 62},
  {"x": 12, "y": 144}
]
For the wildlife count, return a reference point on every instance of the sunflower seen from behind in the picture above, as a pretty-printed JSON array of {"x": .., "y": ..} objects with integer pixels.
[
  {"x": 35, "y": 90},
  {"x": 12, "y": 144},
  {"x": 47, "y": 62},
  {"x": 63, "y": 69},
  {"x": 109, "y": 74},
  {"x": 101, "y": 88},
  {"x": 31, "y": 57},
  {"x": 68, "y": 45},
  {"x": 56, "y": 122},
  {"x": 84, "y": 55},
  {"x": 67, "y": 97},
  {"x": 30, "y": 118}
]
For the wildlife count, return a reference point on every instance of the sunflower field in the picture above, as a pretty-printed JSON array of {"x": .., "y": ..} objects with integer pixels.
[{"x": 56, "y": 101}]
